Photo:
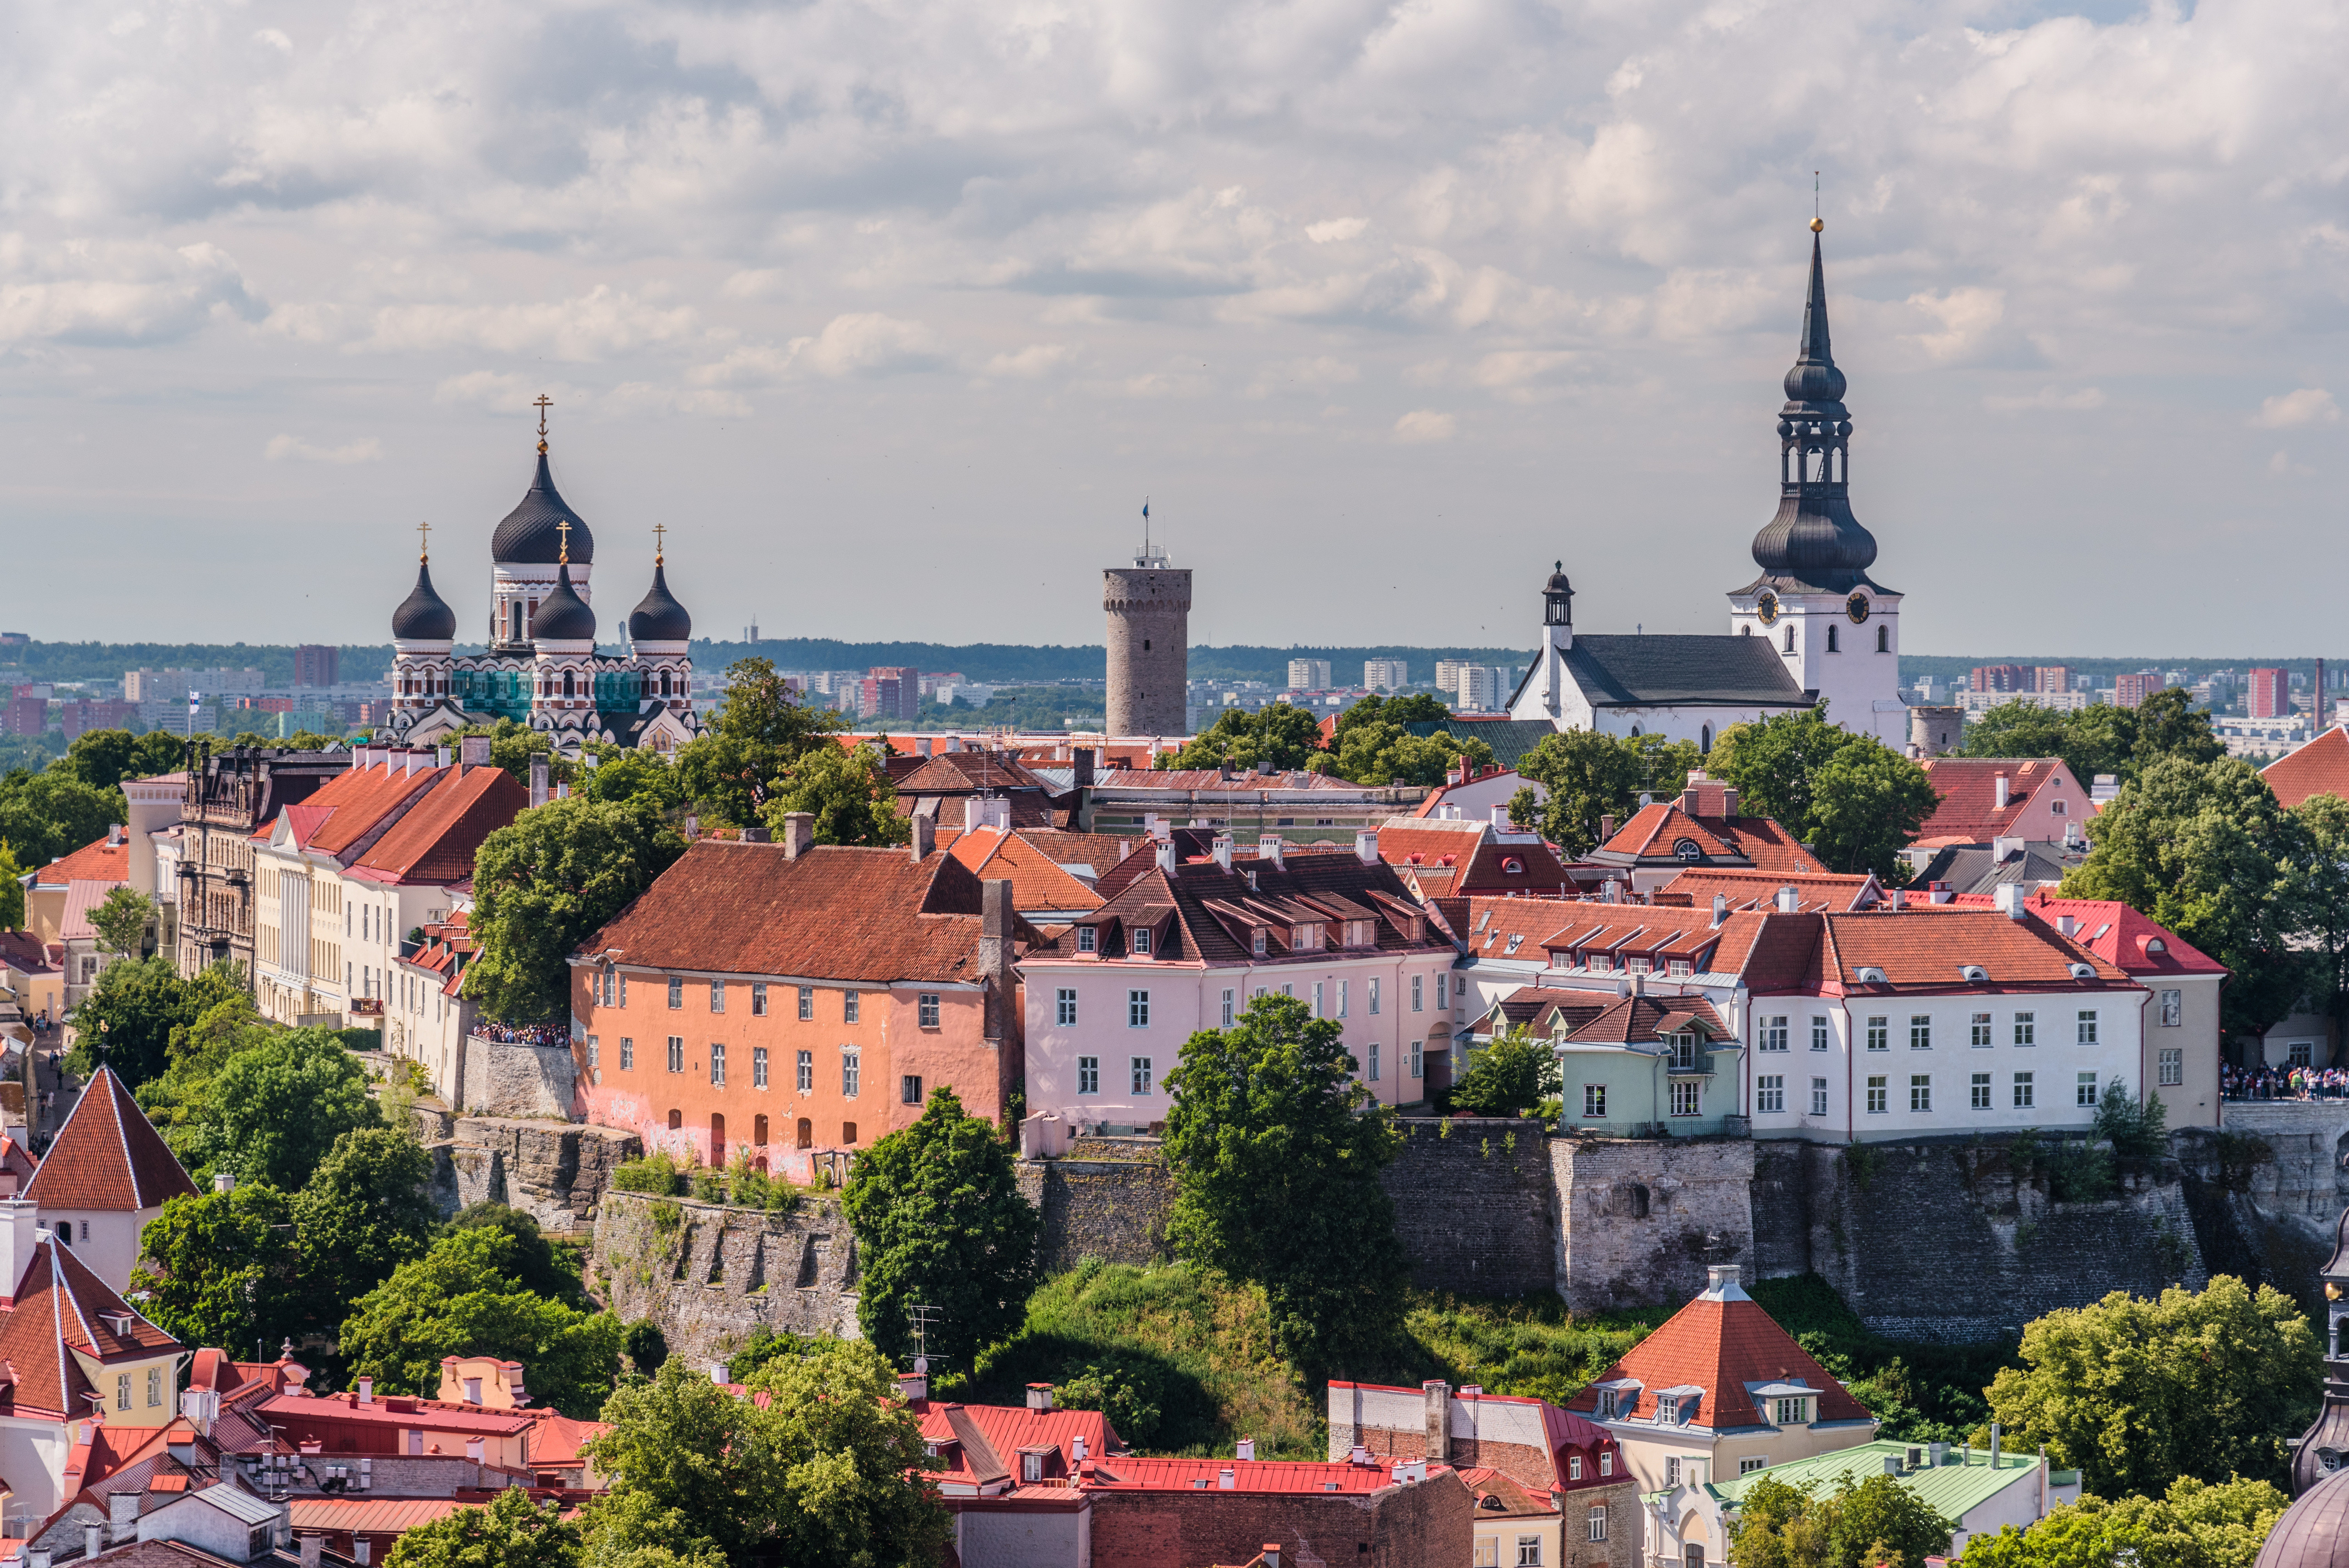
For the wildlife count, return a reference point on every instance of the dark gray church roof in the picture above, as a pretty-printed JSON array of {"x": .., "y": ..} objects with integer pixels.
[
  {"x": 424, "y": 616},
  {"x": 1686, "y": 671},
  {"x": 1510, "y": 738},
  {"x": 532, "y": 532}
]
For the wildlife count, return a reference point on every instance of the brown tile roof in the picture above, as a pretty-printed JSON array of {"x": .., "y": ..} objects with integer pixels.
[
  {"x": 60, "y": 1307},
  {"x": 1926, "y": 949},
  {"x": 1969, "y": 812},
  {"x": 1101, "y": 852},
  {"x": 1036, "y": 881},
  {"x": 1719, "y": 1347},
  {"x": 835, "y": 913},
  {"x": 97, "y": 861},
  {"x": 347, "y": 807},
  {"x": 108, "y": 1156},
  {"x": 1534, "y": 1006},
  {"x": 1654, "y": 834},
  {"x": 2319, "y": 768},
  {"x": 1641, "y": 1020},
  {"x": 966, "y": 772},
  {"x": 1206, "y": 913},
  {"x": 25, "y": 952},
  {"x": 435, "y": 839}
]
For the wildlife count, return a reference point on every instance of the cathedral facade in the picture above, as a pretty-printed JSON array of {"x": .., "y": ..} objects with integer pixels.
[
  {"x": 541, "y": 666},
  {"x": 1814, "y": 627}
]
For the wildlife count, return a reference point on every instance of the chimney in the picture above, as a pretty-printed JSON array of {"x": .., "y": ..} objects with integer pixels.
[
  {"x": 2008, "y": 899},
  {"x": 362, "y": 1550},
  {"x": 310, "y": 1544},
  {"x": 113, "y": 834},
  {"x": 1937, "y": 892},
  {"x": 995, "y": 924},
  {"x": 1366, "y": 845},
  {"x": 1720, "y": 909},
  {"x": 39, "y": 1557},
  {"x": 1897, "y": 898},
  {"x": 1500, "y": 818},
  {"x": 367, "y": 1391},
  {"x": 1438, "y": 1394},
  {"x": 1610, "y": 891},
  {"x": 1997, "y": 1434},
  {"x": 1729, "y": 804},
  {"x": 2003, "y": 850},
  {"x": 914, "y": 1388},
  {"x": 1083, "y": 771},
  {"x": 223, "y": 1181},
  {"x": 1999, "y": 787},
  {"x": 440, "y": 758},
  {"x": 1639, "y": 984},
  {"x": 1892, "y": 1464},
  {"x": 799, "y": 834},
  {"x": 925, "y": 837},
  {"x": 1268, "y": 847},
  {"x": 2065, "y": 924},
  {"x": 1077, "y": 1449},
  {"x": 1165, "y": 854},
  {"x": 1789, "y": 901},
  {"x": 756, "y": 835},
  {"x": 537, "y": 793},
  {"x": 1270, "y": 1552},
  {"x": 1606, "y": 826},
  {"x": 1359, "y": 1455},
  {"x": 18, "y": 1219},
  {"x": 922, "y": 746},
  {"x": 93, "y": 1538},
  {"x": 474, "y": 750},
  {"x": 473, "y": 1449},
  {"x": 1040, "y": 1396},
  {"x": 122, "y": 1515},
  {"x": 1222, "y": 850},
  {"x": 1245, "y": 1449},
  {"x": 1226, "y": 1481}
]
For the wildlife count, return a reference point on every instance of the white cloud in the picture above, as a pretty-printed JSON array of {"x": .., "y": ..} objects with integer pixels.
[
  {"x": 1966, "y": 317},
  {"x": 1330, "y": 228},
  {"x": 2050, "y": 397},
  {"x": 636, "y": 397},
  {"x": 366, "y": 449},
  {"x": 1035, "y": 359},
  {"x": 2309, "y": 405},
  {"x": 1424, "y": 424},
  {"x": 118, "y": 293},
  {"x": 508, "y": 392},
  {"x": 596, "y": 326},
  {"x": 868, "y": 342}
]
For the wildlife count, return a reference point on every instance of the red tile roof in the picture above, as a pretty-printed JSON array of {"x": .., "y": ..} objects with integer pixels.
[
  {"x": 1823, "y": 891},
  {"x": 1642, "y": 1020},
  {"x": 1655, "y": 833},
  {"x": 1926, "y": 949},
  {"x": 1719, "y": 1346},
  {"x": 353, "y": 802},
  {"x": 1037, "y": 881},
  {"x": 108, "y": 1156},
  {"x": 58, "y": 1309},
  {"x": 97, "y": 861},
  {"x": 435, "y": 841},
  {"x": 1969, "y": 813},
  {"x": 2123, "y": 938},
  {"x": 2319, "y": 768}
]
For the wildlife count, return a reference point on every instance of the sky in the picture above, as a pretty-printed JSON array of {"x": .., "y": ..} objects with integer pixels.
[{"x": 893, "y": 314}]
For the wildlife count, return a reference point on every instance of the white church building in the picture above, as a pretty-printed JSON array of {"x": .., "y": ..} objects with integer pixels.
[{"x": 1813, "y": 628}]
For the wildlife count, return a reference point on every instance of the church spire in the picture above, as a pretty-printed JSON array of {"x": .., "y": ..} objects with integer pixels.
[{"x": 1814, "y": 542}]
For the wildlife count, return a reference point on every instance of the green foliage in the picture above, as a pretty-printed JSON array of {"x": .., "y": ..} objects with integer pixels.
[
  {"x": 136, "y": 1005},
  {"x": 632, "y": 773},
  {"x": 511, "y": 1531},
  {"x": 758, "y": 732},
  {"x": 1416, "y": 707},
  {"x": 1278, "y": 737},
  {"x": 847, "y": 791},
  {"x": 2204, "y": 848},
  {"x": 1920, "y": 1393},
  {"x": 827, "y": 1472},
  {"x": 1507, "y": 1078},
  {"x": 1589, "y": 775},
  {"x": 224, "y": 1268},
  {"x": 2189, "y": 1526},
  {"x": 941, "y": 1221},
  {"x": 536, "y": 1264},
  {"x": 646, "y": 1347},
  {"x": 1859, "y": 1525},
  {"x": 1131, "y": 1392},
  {"x": 103, "y": 758},
  {"x": 512, "y": 747},
  {"x": 2317, "y": 896},
  {"x": 1276, "y": 1149},
  {"x": 2135, "y": 1128},
  {"x": 1530, "y": 1348},
  {"x": 765, "y": 1345},
  {"x": 463, "y": 1298},
  {"x": 2136, "y": 1393},
  {"x": 121, "y": 921},
  {"x": 1024, "y": 709},
  {"x": 545, "y": 883},
  {"x": 1856, "y": 800},
  {"x": 2091, "y": 741},
  {"x": 12, "y": 892},
  {"x": 656, "y": 1172},
  {"x": 1378, "y": 752},
  {"x": 51, "y": 813},
  {"x": 365, "y": 1211},
  {"x": 279, "y": 1103}
]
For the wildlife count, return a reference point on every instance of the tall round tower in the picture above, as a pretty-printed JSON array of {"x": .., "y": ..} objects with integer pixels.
[{"x": 1149, "y": 606}]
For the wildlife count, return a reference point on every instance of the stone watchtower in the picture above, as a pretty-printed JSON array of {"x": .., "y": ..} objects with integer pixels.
[{"x": 1149, "y": 606}]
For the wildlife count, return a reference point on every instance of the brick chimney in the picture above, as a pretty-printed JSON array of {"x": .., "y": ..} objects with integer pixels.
[
  {"x": 799, "y": 834},
  {"x": 1439, "y": 1419},
  {"x": 996, "y": 922},
  {"x": 1081, "y": 760},
  {"x": 1606, "y": 826},
  {"x": 2001, "y": 786},
  {"x": 925, "y": 837},
  {"x": 1040, "y": 1395}
]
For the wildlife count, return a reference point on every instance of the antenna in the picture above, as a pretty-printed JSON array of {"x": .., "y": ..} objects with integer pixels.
[{"x": 922, "y": 1317}]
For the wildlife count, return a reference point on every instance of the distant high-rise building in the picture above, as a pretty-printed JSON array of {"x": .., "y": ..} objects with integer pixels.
[
  {"x": 1481, "y": 689},
  {"x": 892, "y": 692},
  {"x": 2003, "y": 677},
  {"x": 1385, "y": 675},
  {"x": 317, "y": 665},
  {"x": 2052, "y": 677},
  {"x": 2271, "y": 694},
  {"x": 2131, "y": 690},
  {"x": 1309, "y": 674},
  {"x": 1149, "y": 609}
]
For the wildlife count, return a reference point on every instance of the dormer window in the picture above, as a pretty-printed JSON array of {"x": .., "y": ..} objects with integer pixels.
[
  {"x": 1574, "y": 1467},
  {"x": 1600, "y": 963},
  {"x": 1088, "y": 939},
  {"x": 1512, "y": 866},
  {"x": 1638, "y": 966},
  {"x": 1141, "y": 942},
  {"x": 1515, "y": 942},
  {"x": 1256, "y": 943},
  {"x": 1032, "y": 1467},
  {"x": 1790, "y": 1412},
  {"x": 1683, "y": 1053},
  {"x": 1677, "y": 967}
]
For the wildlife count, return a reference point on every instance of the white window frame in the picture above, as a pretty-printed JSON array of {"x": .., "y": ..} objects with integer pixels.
[
  {"x": 2027, "y": 1091},
  {"x": 1137, "y": 1009},
  {"x": 1088, "y": 1075},
  {"x": 1879, "y": 1032},
  {"x": 1770, "y": 1095},
  {"x": 1145, "y": 1073},
  {"x": 1594, "y": 1100},
  {"x": 1818, "y": 1096},
  {"x": 803, "y": 1072},
  {"x": 852, "y": 1072},
  {"x": 2173, "y": 1009},
  {"x": 2083, "y": 1091},
  {"x": 2026, "y": 1030},
  {"x": 1921, "y": 1031},
  {"x": 2172, "y": 1066},
  {"x": 1880, "y": 1094},
  {"x": 2088, "y": 1027},
  {"x": 1978, "y": 1092},
  {"x": 1064, "y": 1007},
  {"x": 1772, "y": 1033},
  {"x": 1920, "y": 1094},
  {"x": 758, "y": 1066},
  {"x": 1821, "y": 1035}
]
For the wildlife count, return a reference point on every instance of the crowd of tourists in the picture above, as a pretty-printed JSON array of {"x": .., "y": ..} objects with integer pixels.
[
  {"x": 2285, "y": 1083},
  {"x": 523, "y": 1033}
]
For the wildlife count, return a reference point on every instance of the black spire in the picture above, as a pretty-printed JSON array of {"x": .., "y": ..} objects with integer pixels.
[
  {"x": 563, "y": 616},
  {"x": 424, "y": 616},
  {"x": 658, "y": 617},
  {"x": 1815, "y": 544}
]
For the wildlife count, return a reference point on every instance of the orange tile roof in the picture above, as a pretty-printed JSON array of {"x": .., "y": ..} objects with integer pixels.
[
  {"x": 97, "y": 861},
  {"x": 435, "y": 841},
  {"x": 1969, "y": 812},
  {"x": 1757, "y": 888},
  {"x": 1719, "y": 1346},
  {"x": 1036, "y": 881},
  {"x": 108, "y": 1156},
  {"x": 1925, "y": 950},
  {"x": 353, "y": 802},
  {"x": 1655, "y": 831},
  {"x": 2319, "y": 768}
]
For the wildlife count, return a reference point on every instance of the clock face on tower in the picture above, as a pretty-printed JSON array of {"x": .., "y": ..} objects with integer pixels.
[
  {"x": 1766, "y": 607},
  {"x": 1857, "y": 608}
]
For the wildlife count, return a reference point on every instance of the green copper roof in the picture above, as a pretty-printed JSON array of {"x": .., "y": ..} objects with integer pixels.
[{"x": 1952, "y": 1490}]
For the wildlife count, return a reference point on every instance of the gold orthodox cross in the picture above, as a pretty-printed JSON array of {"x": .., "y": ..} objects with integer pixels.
[{"x": 423, "y": 542}]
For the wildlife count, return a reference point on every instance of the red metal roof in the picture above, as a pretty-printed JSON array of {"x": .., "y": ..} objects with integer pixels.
[
  {"x": 369, "y": 1515},
  {"x": 2123, "y": 938},
  {"x": 1291, "y": 1476},
  {"x": 108, "y": 1156}
]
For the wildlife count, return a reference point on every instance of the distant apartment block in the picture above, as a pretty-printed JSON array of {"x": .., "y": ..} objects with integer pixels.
[
  {"x": 1385, "y": 675},
  {"x": 2052, "y": 677},
  {"x": 2131, "y": 690},
  {"x": 28, "y": 714},
  {"x": 891, "y": 692},
  {"x": 168, "y": 685},
  {"x": 2271, "y": 694},
  {"x": 2005, "y": 678},
  {"x": 317, "y": 665},
  {"x": 1309, "y": 674}
]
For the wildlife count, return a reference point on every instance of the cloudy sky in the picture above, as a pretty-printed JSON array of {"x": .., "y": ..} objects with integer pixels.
[{"x": 894, "y": 311}]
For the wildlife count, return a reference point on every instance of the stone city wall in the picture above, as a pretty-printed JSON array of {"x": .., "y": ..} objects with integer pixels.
[
  {"x": 1643, "y": 1219},
  {"x": 504, "y": 1079},
  {"x": 711, "y": 1276},
  {"x": 1476, "y": 1210}
]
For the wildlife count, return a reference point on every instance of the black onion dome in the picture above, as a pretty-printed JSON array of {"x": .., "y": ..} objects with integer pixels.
[
  {"x": 531, "y": 533},
  {"x": 658, "y": 617},
  {"x": 2314, "y": 1530},
  {"x": 424, "y": 616},
  {"x": 563, "y": 616}
]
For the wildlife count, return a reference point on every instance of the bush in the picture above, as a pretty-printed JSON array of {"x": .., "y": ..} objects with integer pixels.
[
  {"x": 1514, "y": 1073},
  {"x": 656, "y": 1173},
  {"x": 2136, "y": 1129},
  {"x": 1127, "y": 1390}
]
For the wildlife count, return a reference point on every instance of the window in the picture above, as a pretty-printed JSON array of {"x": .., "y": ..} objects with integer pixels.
[
  {"x": 1088, "y": 939},
  {"x": 676, "y": 994},
  {"x": 1883, "y": 639},
  {"x": 1141, "y": 1067},
  {"x": 2173, "y": 1066},
  {"x": 1256, "y": 943},
  {"x": 758, "y": 1132},
  {"x": 122, "y": 1392},
  {"x": 2026, "y": 1030},
  {"x": 1820, "y": 1037},
  {"x": 851, "y": 1072},
  {"x": 1438, "y": 992},
  {"x": 1920, "y": 1091},
  {"x": 2301, "y": 1054},
  {"x": 803, "y": 1079},
  {"x": 1417, "y": 1063},
  {"x": 1980, "y": 1096},
  {"x": 2173, "y": 1009},
  {"x": 594, "y": 1053},
  {"x": 909, "y": 1089},
  {"x": 1317, "y": 998},
  {"x": 1137, "y": 1009},
  {"x": 1594, "y": 1100},
  {"x": 804, "y": 1133},
  {"x": 717, "y": 1064},
  {"x": 758, "y": 998},
  {"x": 1672, "y": 1463},
  {"x": 1683, "y": 1053},
  {"x": 1227, "y": 1007},
  {"x": 1341, "y": 1003},
  {"x": 1065, "y": 1004},
  {"x": 1879, "y": 1095},
  {"x": 1774, "y": 1033},
  {"x": 1375, "y": 1061},
  {"x": 848, "y": 1132},
  {"x": 1880, "y": 1034},
  {"x": 1375, "y": 996},
  {"x": 1748, "y": 1466},
  {"x": 850, "y": 1004},
  {"x": 1921, "y": 1032},
  {"x": 1574, "y": 1467},
  {"x": 759, "y": 1071},
  {"x": 677, "y": 1052},
  {"x": 2083, "y": 1089},
  {"x": 1414, "y": 992},
  {"x": 926, "y": 1009},
  {"x": 2026, "y": 1096},
  {"x": 1529, "y": 1551},
  {"x": 1141, "y": 942},
  {"x": 1835, "y": 643},
  {"x": 807, "y": 1003},
  {"x": 628, "y": 1053},
  {"x": 1488, "y": 1551},
  {"x": 1979, "y": 1035},
  {"x": 2088, "y": 1027},
  {"x": 1688, "y": 1099},
  {"x": 1769, "y": 1094},
  {"x": 154, "y": 1386},
  {"x": 1089, "y": 1074},
  {"x": 1818, "y": 1096}
]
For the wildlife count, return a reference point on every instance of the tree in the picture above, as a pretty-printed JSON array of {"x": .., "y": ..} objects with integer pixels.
[
  {"x": 12, "y": 892},
  {"x": 103, "y": 758},
  {"x": 825, "y": 1472},
  {"x": 177, "y": 1101},
  {"x": 2136, "y": 1393},
  {"x": 2092, "y": 741},
  {"x": 511, "y": 1531},
  {"x": 224, "y": 1268},
  {"x": 535, "y": 1265},
  {"x": 278, "y": 1106},
  {"x": 939, "y": 1220},
  {"x": 629, "y": 773},
  {"x": 758, "y": 730},
  {"x": 1588, "y": 775},
  {"x": 1860, "y": 1523},
  {"x": 847, "y": 791},
  {"x": 1383, "y": 753},
  {"x": 365, "y": 1211},
  {"x": 2204, "y": 848},
  {"x": 2189, "y": 1526},
  {"x": 1276, "y": 1149},
  {"x": 2316, "y": 896},
  {"x": 462, "y": 1298},
  {"x": 1507, "y": 1078},
  {"x": 135, "y": 1007},
  {"x": 1278, "y": 737},
  {"x": 1418, "y": 707},
  {"x": 546, "y": 881},
  {"x": 2170, "y": 727},
  {"x": 121, "y": 920},
  {"x": 46, "y": 815},
  {"x": 1856, "y": 800}
]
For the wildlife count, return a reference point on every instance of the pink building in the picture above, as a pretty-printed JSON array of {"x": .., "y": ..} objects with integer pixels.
[
  {"x": 2130, "y": 691},
  {"x": 2271, "y": 694}
]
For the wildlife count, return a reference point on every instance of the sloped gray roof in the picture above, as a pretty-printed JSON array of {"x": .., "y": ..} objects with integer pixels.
[
  {"x": 1616, "y": 671},
  {"x": 1510, "y": 738}
]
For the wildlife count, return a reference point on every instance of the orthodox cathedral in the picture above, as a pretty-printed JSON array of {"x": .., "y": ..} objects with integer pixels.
[
  {"x": 541, "y": 667},
  {"x": 1813, "y": 627}
]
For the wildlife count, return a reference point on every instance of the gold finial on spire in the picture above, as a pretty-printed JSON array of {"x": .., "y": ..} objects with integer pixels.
[
  {"x": 543, "y": 405},
  {"x": 658, "y": 529},
  {"x": 562, "y": 529},
  {"x": 423, "y": 542}
]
